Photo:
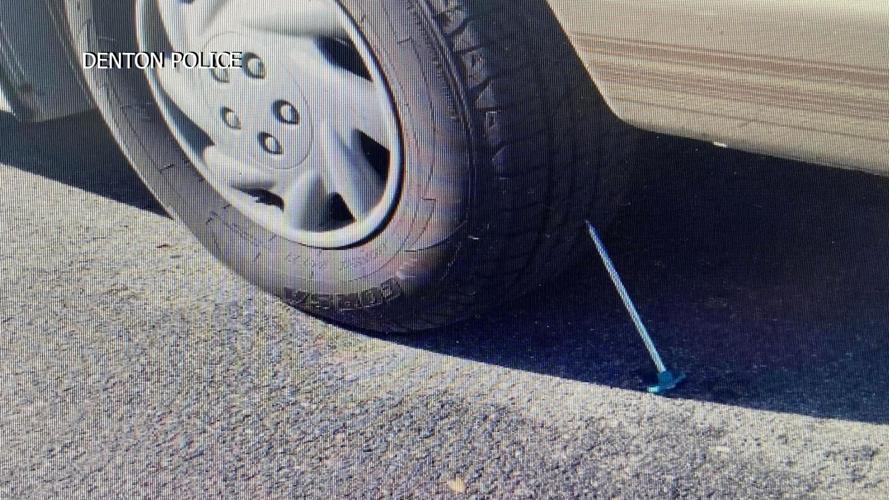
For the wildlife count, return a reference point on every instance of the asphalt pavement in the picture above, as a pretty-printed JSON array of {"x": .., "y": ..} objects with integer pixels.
[{"x": 134, "y": 365}]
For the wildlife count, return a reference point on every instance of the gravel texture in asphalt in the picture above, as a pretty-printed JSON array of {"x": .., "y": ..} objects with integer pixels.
[{"x": 133, "y": 365}]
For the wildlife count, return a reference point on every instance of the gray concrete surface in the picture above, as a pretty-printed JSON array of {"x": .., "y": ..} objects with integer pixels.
[{"x": 133, "y": 365}]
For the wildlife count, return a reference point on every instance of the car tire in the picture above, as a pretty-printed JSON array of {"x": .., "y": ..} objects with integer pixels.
[{"x": 506, "y": 148}]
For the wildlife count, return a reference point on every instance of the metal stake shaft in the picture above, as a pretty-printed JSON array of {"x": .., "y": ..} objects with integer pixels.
[{"x": 628, "y": 302}]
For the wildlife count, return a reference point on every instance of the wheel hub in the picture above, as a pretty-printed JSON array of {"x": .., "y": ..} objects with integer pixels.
[
  {"x": 303, "y": 138},
  {"x": 264, "y": 118}
]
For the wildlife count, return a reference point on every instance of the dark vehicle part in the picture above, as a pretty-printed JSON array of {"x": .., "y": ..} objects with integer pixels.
[{"x": 39, "y": 79}]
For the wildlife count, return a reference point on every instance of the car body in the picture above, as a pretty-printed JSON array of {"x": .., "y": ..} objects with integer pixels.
[{"x": 801, "y": 79}]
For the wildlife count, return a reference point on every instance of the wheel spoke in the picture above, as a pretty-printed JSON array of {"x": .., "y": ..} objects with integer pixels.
[
  {"x": 359, "y": 105},
  {"x": 306, "y": 200},
  {"x": 185, "y": 23},
  {"x": 349, "y": 102},
  {"x": 179, "y": 86},
  {"x": 236, "y": 173},
  {"x": 346, "y": 172},
  {"x": 300, "y": 18}
]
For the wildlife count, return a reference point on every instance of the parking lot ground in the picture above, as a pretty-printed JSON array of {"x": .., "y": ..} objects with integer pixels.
[{"x": 132, "y": 364}]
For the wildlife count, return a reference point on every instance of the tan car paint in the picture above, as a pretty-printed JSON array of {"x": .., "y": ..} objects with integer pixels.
[{"x": 805, "y": 79}]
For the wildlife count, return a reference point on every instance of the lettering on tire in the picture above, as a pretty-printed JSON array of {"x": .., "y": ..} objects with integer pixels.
[{"x": 388, "y": 291}]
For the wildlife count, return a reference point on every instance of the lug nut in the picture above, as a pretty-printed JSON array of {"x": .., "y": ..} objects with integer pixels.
[
  {"x": 286, "y": 112},
  {"x": 254, "y": 66},
  {"x": 220, "y": 75},
  {"x": 231, "y": 118},
  {"x": 270, "y": 144}
]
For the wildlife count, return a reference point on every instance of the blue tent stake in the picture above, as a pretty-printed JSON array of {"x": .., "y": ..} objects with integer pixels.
[{"x": 666, "y": 379}]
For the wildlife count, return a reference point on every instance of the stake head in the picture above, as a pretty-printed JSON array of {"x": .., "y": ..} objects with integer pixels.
[{"x": 666, "y": 382}]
